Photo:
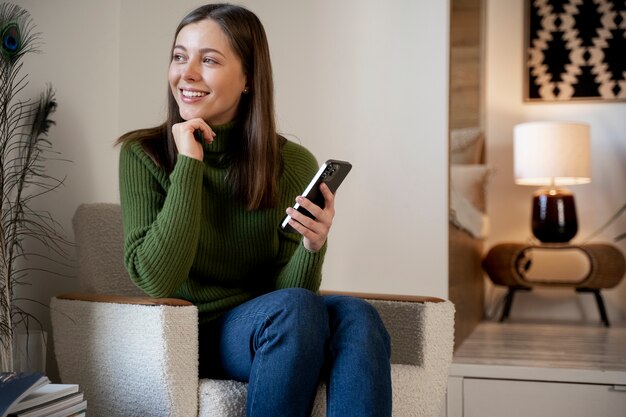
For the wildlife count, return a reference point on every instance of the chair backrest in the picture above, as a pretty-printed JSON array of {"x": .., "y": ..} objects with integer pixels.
[{"x": 99, "y": 240}]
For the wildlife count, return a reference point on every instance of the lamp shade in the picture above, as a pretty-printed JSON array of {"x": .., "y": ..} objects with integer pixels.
[{"x": 551, "y": 153}]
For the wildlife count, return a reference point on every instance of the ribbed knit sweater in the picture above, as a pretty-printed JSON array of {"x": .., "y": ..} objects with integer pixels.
[{"x": 186, "y": 236}]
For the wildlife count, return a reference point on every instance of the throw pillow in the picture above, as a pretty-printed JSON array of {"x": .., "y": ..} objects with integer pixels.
[{"x": 466, "y": 145}]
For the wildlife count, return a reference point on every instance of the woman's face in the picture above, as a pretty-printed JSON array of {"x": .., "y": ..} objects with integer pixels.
[{"x": 206, "y": 76}]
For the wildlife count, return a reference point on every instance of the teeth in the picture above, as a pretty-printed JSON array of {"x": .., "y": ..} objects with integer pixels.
[{"x": 188, "y": 93}]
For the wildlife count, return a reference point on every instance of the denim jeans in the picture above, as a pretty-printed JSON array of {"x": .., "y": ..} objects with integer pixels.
[{"x": 285, "y": 342}]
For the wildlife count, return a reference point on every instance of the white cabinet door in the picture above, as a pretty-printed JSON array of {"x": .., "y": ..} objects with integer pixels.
[{"x": 496, "y": 398}]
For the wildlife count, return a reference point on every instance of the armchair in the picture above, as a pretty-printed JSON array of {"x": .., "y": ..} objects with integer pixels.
[{"x": 138, "y": 356}]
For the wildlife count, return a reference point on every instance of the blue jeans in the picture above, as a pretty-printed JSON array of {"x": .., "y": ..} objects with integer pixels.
[{"x": 285, "y": 342}]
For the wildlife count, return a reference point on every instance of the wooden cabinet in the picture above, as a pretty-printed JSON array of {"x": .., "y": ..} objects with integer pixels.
[{"x": 508, "y": 264}]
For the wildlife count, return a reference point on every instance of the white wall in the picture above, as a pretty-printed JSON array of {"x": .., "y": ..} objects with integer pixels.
[
  {"x": 362, "y": 80},
  {"x": 509, "y": 205},
  {"x": 353, "y": 82}
]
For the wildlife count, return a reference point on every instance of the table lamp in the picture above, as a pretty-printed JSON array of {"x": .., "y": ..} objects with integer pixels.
[{"x": 552, "y": 155}]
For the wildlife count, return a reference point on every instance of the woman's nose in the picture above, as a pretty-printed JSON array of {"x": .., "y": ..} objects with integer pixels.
[{"x": 191, "y": 72}]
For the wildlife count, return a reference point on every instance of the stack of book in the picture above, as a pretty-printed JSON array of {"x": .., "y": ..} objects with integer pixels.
[{"x": 32, "y": 395}]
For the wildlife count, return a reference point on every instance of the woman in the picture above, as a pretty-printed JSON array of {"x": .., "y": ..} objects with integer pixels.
[{"x": 202, "y": 196}]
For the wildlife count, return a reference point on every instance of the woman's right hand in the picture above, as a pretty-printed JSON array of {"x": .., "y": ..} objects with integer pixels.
[{"x": 186, "y": 143}]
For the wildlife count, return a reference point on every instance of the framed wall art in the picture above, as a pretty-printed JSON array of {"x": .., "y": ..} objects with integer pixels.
[{"x": 575, "y": 50}]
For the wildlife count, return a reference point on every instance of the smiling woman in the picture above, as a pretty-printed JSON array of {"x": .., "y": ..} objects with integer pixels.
[{"x": 201, "y": 216}]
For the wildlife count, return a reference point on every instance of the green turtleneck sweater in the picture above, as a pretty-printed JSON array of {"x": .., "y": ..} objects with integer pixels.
[{"x": 186, "y": 236}]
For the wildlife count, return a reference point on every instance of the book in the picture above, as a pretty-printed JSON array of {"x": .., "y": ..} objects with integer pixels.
[
  {"x": 62, "y": 405},
  {"x": 44, "y": 395},
  {"x": 71, "y": 411},
  {"x": 15, "y": 386}
]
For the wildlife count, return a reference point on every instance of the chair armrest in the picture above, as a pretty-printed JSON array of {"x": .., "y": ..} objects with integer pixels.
[
  {"x": 123, "y": 299},
  {"x": 386, "y": 297},
  {"x": 130, "y": 355},
  {"x": 421, "y": 327},
  {"x": 422, "y": 342}
]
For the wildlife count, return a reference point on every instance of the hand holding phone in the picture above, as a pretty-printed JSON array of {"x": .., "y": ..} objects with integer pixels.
[{"x": 332, "y": 173}]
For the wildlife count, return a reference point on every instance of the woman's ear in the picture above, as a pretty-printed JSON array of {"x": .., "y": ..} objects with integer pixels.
[{"x": 248, "y": 87}]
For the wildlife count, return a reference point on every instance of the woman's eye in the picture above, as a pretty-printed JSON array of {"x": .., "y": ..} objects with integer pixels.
[
  {"x": 178, "y": 58},
  {"x": 209, "y": 60}
]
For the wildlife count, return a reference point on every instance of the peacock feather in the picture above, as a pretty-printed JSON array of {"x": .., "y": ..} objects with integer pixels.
[
  {"x": 11, "y": 40},
  {"x": 16, "y": 29},
  {"x": 24, "y": 126},
  {"x": 18, "y": 39}
]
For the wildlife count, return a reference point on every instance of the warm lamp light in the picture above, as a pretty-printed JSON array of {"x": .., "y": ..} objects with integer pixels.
[{"x": 552, "y": 154}]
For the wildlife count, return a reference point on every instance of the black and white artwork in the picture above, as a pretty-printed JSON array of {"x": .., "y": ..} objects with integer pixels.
[{"x": 576, "y": 50}]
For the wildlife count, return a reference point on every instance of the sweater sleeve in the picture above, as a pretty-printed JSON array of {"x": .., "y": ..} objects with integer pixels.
[
  {"x": 160, "y": 236},
  {"x": 303, "y": 269},
  {"x": 299, "y": 267}
]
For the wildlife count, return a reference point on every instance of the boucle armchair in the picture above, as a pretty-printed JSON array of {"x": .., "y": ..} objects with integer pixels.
[{"x": 137, "y": 356}]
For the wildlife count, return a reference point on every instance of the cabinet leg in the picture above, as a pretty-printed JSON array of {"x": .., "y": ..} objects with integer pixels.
[
  {"x": 604, "y": 317},
  {"x": 508, "y": 302}
]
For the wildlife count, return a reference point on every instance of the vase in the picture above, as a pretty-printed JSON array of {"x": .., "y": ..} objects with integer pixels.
[
  {"x": 6, "y": 358},
  {"x": 29, "y": 351}
]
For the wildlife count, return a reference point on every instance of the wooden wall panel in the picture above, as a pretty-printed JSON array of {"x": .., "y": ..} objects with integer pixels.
[
  {"x": 466, "y": 52},
  {"x": 465, "y": 281}
]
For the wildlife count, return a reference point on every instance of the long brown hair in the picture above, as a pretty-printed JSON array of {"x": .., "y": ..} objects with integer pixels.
[{"x": 255, "y": 159}]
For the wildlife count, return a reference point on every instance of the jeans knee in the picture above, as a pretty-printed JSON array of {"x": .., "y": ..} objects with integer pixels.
[
  {"x": 303, "y": 315},
  {"x": 305, "y": 303},
  {"x": 358, "y": 318}
]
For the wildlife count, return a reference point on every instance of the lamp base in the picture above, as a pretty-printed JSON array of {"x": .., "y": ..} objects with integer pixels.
[{"x": 554, "y": 215}]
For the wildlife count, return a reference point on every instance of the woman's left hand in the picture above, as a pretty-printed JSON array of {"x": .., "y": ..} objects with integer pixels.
[{"x": 314, "y": 231}]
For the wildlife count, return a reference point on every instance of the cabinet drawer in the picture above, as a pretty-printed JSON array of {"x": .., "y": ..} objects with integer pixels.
[{"x": 491, "y": 398}]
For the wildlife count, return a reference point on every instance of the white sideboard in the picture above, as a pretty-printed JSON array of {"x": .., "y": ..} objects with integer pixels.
[
  {"x": 522, "y": 370},
  {"x": 512, "y": 391}
]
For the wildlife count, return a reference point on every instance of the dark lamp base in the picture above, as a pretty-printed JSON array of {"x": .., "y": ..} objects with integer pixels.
[{"x": 554, "y": 216}]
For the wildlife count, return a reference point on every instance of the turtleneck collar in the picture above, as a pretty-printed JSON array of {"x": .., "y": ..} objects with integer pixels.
[{"x": 222, "y": 137}]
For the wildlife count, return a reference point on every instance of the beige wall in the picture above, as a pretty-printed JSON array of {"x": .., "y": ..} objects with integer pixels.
[
  {"x": 80, "y": 60},
  {"x": 360, "y": 80},
  {"x": 353, "y": 82},
  {"x": 509, "y": 205}
]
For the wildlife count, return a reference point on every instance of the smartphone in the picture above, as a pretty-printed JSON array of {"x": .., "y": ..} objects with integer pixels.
[{"x": 332, "y": 172}]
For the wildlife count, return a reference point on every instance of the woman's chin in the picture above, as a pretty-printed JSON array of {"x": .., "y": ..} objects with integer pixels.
[{"x": 188, "y": 115}]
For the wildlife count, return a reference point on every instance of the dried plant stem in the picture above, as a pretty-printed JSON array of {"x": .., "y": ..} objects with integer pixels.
[{"x": 24, "y": 148}]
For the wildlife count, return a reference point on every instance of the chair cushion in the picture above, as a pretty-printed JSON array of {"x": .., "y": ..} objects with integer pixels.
[
  {"x": 227, "y": 398},
  {"x": 223, "y": 398},
  {"x": 411, "y": 385}
]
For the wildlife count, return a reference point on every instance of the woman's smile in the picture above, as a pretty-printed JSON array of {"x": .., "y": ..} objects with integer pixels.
[{"x": 193, "y": 93}]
